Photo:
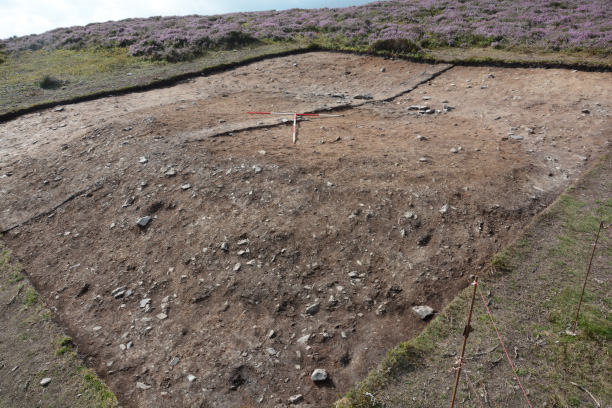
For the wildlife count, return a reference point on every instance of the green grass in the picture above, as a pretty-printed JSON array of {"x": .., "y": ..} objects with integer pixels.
[
  {"x": 30, "y": 297},
  {"x": 103, "y": 397}
]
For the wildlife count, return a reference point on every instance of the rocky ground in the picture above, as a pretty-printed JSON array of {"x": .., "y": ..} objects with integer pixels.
[{"x": 199, "y": 258}]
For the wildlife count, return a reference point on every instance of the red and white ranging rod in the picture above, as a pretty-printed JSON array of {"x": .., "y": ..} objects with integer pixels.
[{"x": 295, "y": 115}]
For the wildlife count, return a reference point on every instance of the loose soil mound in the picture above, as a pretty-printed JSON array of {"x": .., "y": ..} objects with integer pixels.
[{"x": 366, "y": 216}]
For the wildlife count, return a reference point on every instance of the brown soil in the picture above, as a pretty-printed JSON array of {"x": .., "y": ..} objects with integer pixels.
[{"x": 323, "y": 221}]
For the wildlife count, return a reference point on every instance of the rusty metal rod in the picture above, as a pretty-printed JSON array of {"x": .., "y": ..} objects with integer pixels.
[
  {"x": 586, "y": 277},
  {"x": 466, "y": 333}
]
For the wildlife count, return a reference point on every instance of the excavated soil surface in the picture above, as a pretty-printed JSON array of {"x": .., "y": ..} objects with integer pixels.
[{"x": 263, "y": 259}]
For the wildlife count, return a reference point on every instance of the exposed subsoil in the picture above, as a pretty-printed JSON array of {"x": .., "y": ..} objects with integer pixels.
[{"x": 366, "y": 216}]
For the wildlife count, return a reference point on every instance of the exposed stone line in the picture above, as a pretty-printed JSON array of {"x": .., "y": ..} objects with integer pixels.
[{"x": 221, "y": 131}]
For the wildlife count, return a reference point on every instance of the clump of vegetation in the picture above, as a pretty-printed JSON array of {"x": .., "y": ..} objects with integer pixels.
[
  {"x": 395, "y": 46},
  {"x": 64, "y": 345},
  {"x": 102, "y": 394},
  {"x": 501, "y": 262},
  {"x": 30, "y": 297},
  {"x": 50, "y": 82}
]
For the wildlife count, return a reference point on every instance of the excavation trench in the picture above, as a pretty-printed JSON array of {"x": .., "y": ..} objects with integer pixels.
[{"x": 264, "y": 260}]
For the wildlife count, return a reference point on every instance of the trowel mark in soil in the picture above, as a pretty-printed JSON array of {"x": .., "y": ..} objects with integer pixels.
[{"x": 278, "y": 259}]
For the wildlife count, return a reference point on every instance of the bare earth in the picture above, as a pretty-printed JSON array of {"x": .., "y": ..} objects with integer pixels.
[{"x": 366, "y": 216}]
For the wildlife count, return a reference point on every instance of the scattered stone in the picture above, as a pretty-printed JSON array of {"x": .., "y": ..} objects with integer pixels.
[
  {"x": 162, "y": 316},
  {"x": 186, "y": 186},
  {"x": 319, "y": 375},
  {"x": 272, "y": 334},
  {"x": 427, "y": 98},
  {"x": 243, "y": 242},
  {"x": 294, "y": 399},
  {"x": 423, "y": 159},
  {"x": 174, "y": 362},
  {"x": 313, "y": 309},
  {"x": 423, "y": 311},
  {"x": 383, "y": 69},
  {"x": 142, "y": 222},
  {"x": 97, "y": 328},
  {"x": 224, "y": 246},
  {"x": 59, "y": 109},
  {"x": 171, "y": 173},
  {"x": 363, "y": 96},
  {"x": 237, "y": 267},
  {"x": 119, "y": 292},
  {"x": 444, "y": 209},
  {"x": 145, "y": 302},
  {"x": 191, "y": 378},
  {"x": 129, "y": 201},
  {"x": 262, "y": 152},
  {"x": 453, "y": 150},
  {"x": 586, "y": 111},
  {"x": 304, "y": 339},
  {"x": 516, "y": 137},
  {"x": 143, "y": 160},
  {"x": 271, "y": 351},
  {"x": 142, "y": 386},
  {"x": 257, "y": 169}
]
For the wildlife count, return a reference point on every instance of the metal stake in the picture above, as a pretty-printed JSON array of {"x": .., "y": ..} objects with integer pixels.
[{"x": 466, "y": 333}]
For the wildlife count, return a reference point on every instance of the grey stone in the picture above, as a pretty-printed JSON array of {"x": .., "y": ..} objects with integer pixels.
[
  {"x": 313, "y": 309},
  {"x": 191, "y": 378},
  {"x": 304, "y": 339},
  {"x": 363, "y": 96},
  {"x": 585, "y": 110},
  {"x": 257, "y": 169},
  {"x": 142, "y": 222},
  {"x": 237, "y": 267},
  {"x": 383, "y": 69},
  {"x": 143, "y": 160},
  {"x": 294, "y": 399},
  {"x": 45, "y": 381},
  {"x": 453, "y": 150},
  {"x": 224, "y": 246},
  {"x": 319, "y": 374},
  {"x": 271, "y": 351},
  {"x": 117, "y": 293},
  {"x": 516, "y": 137},
  {"x": 145, "y": 302},
  {"x": 162, "y": 316},
  {"x": 423, "y": 311},
  {"x": 174, "y": 361},
  {"x": 186, "y": 186},
  {"x": 142, "y": 386},
  {"x": 171, "y": 173},
  {"x": 444, "y": 209}
]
